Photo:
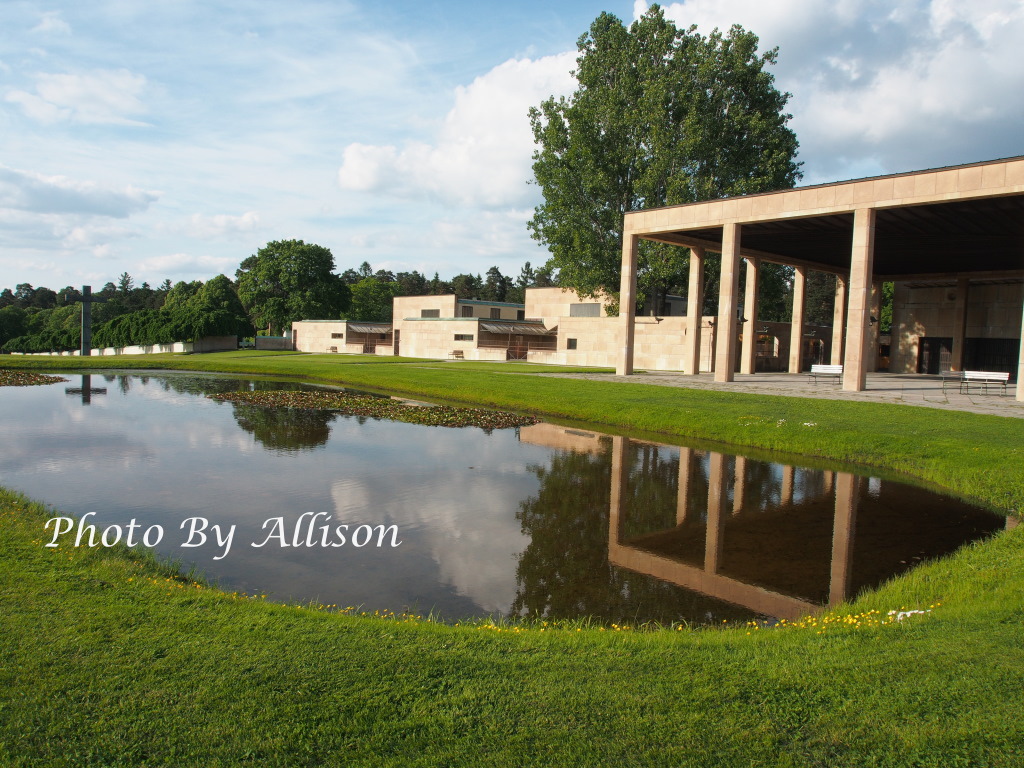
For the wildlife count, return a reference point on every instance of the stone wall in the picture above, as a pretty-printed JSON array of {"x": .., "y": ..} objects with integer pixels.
[
  {"x": 993, "y": 312},
  {"x": 206, "y": 344},
  {"x": 320, "y": 336},
  {"x": 553, "y": 304}
]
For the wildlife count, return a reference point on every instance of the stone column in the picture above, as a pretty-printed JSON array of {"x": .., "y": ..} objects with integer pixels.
[
  {"x": 620, "y": 473},
  {"x": 694, "y": 311},
  {"x": 725, "y": 355},
  {"x": 749, "y": 329},
  {"x": 838, "y": 322},
  {"x": 960, "y": 323},
  {"x": 683, "y": 497},
  {"x": 788, "y": 476},
  {"x": 716, "y": 495},
  {"x": 862, "y": 257},
  {"x": 796, "y": 328},
  {"x": 847, "y": 493},
  {"x": 739, "y": 485},
  {"x": 627, "y": 302}
]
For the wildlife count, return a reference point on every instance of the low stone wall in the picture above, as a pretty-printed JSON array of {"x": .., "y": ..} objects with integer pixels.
[
  {"x": 208, "y": 344},
  {"x": 273, "y": 342}
]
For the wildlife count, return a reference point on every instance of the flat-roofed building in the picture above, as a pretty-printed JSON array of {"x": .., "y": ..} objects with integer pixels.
[{"x": 959, "y": 228}]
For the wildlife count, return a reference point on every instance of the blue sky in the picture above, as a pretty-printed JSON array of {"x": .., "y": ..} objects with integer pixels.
[{"x": 174, "y": 139}]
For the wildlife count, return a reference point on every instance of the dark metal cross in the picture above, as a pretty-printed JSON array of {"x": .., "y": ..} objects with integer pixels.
[
  {"x": 87, "y": 301},
  {"x": 86, "y": 390}
]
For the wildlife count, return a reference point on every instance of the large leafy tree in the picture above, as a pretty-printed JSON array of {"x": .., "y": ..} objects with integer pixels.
[
  {"x": 289, "y": 280},
  {"x": 371, "y": 300},
  {"x": 661, "y": 116}
]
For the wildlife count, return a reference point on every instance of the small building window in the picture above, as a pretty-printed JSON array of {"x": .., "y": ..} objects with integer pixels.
[
  {"x": 570, "y": 343},
  {"x": 337, "y": 335},
  {"x": 430, "y": 313},
  {"x": 495, "y": 313},
  {"x": 467, "y": 311},
  {"x": 463, "y": 336},
  {"x": 520, "y": 314}
]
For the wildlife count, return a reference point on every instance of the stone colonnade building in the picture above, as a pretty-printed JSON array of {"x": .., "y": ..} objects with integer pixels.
[{"x": 956, "y": 231}]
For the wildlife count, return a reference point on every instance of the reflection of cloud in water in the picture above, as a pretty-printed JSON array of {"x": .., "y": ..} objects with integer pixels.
[
  {"x": 462, "y": 518},
  {"x": 48, "y": 452}
]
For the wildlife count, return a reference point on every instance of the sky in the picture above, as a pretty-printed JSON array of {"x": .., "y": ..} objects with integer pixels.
[{"x": 172, "y": 140}]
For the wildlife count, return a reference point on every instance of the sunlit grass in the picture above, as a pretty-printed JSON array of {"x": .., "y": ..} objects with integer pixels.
[{"x": 113, "y": 658}]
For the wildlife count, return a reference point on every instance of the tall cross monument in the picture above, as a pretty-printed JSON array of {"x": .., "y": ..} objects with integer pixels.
[{"x": 87, "y": 302}]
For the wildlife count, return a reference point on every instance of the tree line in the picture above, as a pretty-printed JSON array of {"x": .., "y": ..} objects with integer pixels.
[{"x": 284, "y": 281}]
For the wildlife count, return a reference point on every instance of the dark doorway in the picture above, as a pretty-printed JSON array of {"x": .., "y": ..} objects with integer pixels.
[
  {"x": 935, "y": 354},
  {"x": 992, "y": 355}
]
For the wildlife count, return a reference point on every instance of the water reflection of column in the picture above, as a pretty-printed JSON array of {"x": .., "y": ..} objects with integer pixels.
[
  {"x": 739, "y": 485},
  {"x": 683, "y": 498},
  {"x": 620, "y": 473},
  {"x": 788, "y": 473},
  {"x": 847, "y": 495},
  {"x": 716, "y": 498},
  {"x": 830, "y": 478}
]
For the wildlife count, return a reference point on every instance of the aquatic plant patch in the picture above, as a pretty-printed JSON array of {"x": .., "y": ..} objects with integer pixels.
[
  {"x": 380, "y": 408},
  {"x": 9, "y": 378}
]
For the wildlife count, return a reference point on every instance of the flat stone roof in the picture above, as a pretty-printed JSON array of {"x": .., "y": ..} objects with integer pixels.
[{"x": 932, "y": 223}]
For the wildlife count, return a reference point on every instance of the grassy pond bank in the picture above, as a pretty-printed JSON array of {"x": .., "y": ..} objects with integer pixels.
[{"x": 111, "y": 658}]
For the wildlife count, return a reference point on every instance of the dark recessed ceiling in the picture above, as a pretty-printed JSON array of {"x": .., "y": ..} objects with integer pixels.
[{"x": 963, "y": 236}]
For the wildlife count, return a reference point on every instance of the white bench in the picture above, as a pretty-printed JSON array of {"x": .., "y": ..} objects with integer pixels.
[
  {"x": 834, "y": 372},
  {"x": 984, "y": 378},
  {"x": 952, "y": 377}
]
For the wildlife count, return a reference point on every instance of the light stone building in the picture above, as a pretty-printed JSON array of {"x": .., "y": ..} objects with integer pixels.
[{"x": 959, "y": 228}]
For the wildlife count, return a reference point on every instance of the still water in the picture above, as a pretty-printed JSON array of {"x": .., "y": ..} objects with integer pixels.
[{"x": 542, "y": 520}]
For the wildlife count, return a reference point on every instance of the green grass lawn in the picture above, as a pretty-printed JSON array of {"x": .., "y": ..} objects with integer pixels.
[{"x": 108, "y": 658}]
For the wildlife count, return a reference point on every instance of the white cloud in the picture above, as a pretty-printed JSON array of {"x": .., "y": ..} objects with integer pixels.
[
  {"x": 96, "y": 239},
  {"x": 29, "y": 191},
  {"x": 52, "y": 24},
  {"x": 881, "y": 86},
  {"x": 474, "y": 547},
  {"x": 222, "y": 225},
  {"x": 173, "y": 264},
  {"x": 481, "y": 154},
  {"x": 99, "y": 97}
]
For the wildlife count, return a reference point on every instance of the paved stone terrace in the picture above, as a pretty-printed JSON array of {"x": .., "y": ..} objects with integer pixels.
[{"x": 881, "y": 387}]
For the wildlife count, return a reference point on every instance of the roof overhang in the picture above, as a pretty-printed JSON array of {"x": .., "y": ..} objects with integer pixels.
[
  {"x": 948, "y": 221},
  {"x": 516, "y": 329},
  {"x": 370, "y": 327}
]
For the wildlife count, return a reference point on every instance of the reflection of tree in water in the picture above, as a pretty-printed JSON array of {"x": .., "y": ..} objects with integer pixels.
[
  {"x": 211, "y": 385},
  {"x": 286, "y": 430},
  {"x": 564, "y": 571},
  {"x": 652, "y": 491}
]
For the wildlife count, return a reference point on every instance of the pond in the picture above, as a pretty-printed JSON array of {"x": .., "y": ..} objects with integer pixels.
[{"x": 543, "y": 520}]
